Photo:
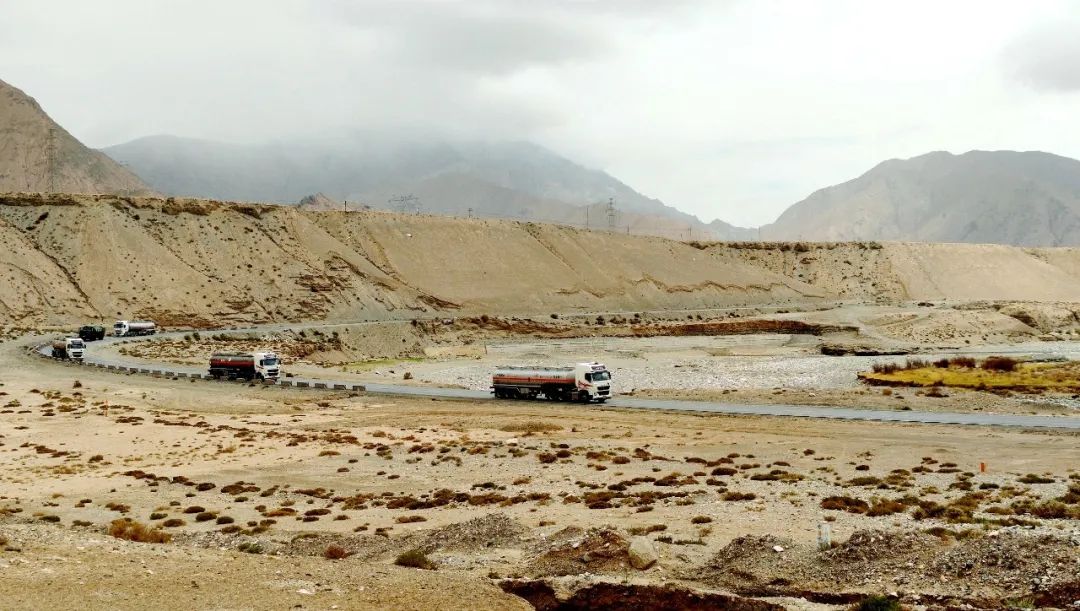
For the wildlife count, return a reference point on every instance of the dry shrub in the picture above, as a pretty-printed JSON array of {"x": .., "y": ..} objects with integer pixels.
[
  {"x": 1000, "y": 363},
  {"x": 410, "y": 519},
  {"x": 415, "y": 558},
  {"x": 738, "y": 496},
  {"x": 845, "y": 503},
  {"x": 531, "y": 426},
  {"x": 336, "y": 552},
  {"x": 885, "y": 367},
  {"x": 137, "y": 531},
  {"x": 883, "y": 507}
]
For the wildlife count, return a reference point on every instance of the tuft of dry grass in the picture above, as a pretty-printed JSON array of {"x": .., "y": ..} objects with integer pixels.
[
  {"x": 415, "y": 558},
  {"x": 131, "y": 530},
  {"x": 994, "y": 373},
  {"x": 531, "y": 426}
]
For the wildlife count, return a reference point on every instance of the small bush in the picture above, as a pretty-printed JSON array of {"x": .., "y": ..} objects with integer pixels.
[
  {"x": 336, "y": 552},
  {"x": 137, "y": 531},
  {"x": 157, "y": 515},
  {"x": 700, "y": 520},
  {"x": 1000, "y": 363},
  {"x": 251, "y": 547},
  {"x": 885, "y": 508},
  {"x": 416, "y": 559},
  {"x": 410, "y": 519},
  {"x": 173, "y": 523},
  {"x": 845, "y": 503},
  {"x": 738, "y": 496}
]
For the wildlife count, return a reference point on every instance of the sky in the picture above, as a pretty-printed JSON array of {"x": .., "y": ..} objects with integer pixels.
[{"x": 729, "y": 109}]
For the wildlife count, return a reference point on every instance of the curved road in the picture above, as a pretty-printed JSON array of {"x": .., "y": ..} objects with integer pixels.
[{"x": 796, "y": 411}]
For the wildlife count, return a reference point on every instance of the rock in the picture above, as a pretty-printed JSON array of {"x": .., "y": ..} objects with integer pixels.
[
  {"x": 642, "y": 553},
  {"x": 778, "y": 548}
]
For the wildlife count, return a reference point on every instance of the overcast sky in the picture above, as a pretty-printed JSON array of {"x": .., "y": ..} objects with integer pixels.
[{"x": 725, "y": 109}]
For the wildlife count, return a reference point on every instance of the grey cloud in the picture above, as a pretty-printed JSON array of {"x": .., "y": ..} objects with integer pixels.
[
  {"x": 479, "y": 38},
  {"x": 1047, "y": 59}
]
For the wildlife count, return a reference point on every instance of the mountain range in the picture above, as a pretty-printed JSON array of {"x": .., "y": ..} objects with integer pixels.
[
  {"x": 516, "y": 180},
  {"x": 1006, "y": 197}
]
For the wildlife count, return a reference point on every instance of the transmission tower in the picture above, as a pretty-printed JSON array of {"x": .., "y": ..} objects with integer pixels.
[
  {"x": 611, "y": 214},
  {"x": 405, "y": 203}
]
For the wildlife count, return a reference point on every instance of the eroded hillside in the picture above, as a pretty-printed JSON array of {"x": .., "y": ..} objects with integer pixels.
[
  {"x": 202, "y": 263},
  {"x": 205, "y": 263}
]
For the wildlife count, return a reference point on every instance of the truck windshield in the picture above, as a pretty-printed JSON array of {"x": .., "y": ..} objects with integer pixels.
[
  {"x": 268, "y": 362},
  {"x": 77, "y": 343},
  {"x": 598, "y": 376}
]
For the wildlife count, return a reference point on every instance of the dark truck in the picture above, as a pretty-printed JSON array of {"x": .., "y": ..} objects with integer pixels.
[{"x": 91, "y": 333}]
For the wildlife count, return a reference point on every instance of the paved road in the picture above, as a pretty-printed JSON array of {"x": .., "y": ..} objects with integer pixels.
[{"x": 796, "y": 411}]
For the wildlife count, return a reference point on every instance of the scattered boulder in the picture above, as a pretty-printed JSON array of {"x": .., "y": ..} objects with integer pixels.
[{"x": 643, "y": 553}]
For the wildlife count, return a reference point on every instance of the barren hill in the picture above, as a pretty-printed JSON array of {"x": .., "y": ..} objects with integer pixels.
[
  {"x": 1001, "y": 197},
  {"x": 37, "y": 155},
  {"x": 181, "y": 261},
  {"x": 66, "y": 258}
]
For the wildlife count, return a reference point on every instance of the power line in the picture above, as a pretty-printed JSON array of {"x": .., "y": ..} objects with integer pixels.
[{"x": 405, "y": 203}]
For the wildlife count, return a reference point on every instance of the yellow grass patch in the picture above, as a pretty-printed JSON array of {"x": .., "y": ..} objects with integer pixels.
[{"x": 1063, "y": 377}]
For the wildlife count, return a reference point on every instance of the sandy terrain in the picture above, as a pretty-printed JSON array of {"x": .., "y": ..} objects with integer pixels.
[{"x": 541, "y": 482}]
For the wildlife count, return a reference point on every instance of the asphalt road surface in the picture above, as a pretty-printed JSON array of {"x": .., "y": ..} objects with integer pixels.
[{"x": 793, "y": 411}]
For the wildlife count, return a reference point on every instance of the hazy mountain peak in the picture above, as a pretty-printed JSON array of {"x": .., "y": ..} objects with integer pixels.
[{"x": 1007, "y": 197}]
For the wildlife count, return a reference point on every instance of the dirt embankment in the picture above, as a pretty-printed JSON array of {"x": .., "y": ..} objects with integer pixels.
[
  {"x": 909, "y": 271},
  {"x": 70, "y": 258},
  {"x": 199, "y": 263}
]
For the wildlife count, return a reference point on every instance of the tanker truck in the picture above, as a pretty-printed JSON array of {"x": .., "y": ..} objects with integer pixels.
[
  {"x": 129, "y": 328},
  {"x": 68, "y": 348},
  {"x": 583, "y": 382},
  {"x": 245, "y": 365}
]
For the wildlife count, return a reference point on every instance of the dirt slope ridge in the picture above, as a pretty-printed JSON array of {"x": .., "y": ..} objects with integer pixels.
[
  {"x": 906, "y": 271},
  {"x": 201, "y": 262}
]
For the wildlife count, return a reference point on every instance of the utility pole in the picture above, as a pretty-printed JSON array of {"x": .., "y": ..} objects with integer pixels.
[
  {"x": 346, "y": 205},
  {"x": 470, "y": 212}
]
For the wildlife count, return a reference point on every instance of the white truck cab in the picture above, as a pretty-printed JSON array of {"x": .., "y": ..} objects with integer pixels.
[{"x": 69, "y": 348}]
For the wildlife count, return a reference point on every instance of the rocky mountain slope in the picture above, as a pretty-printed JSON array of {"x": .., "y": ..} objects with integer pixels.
[
  {"x": 1000, "y": 197},
  {"x": 517, "y": 180},
  {"x": 37, "y": 155}
]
